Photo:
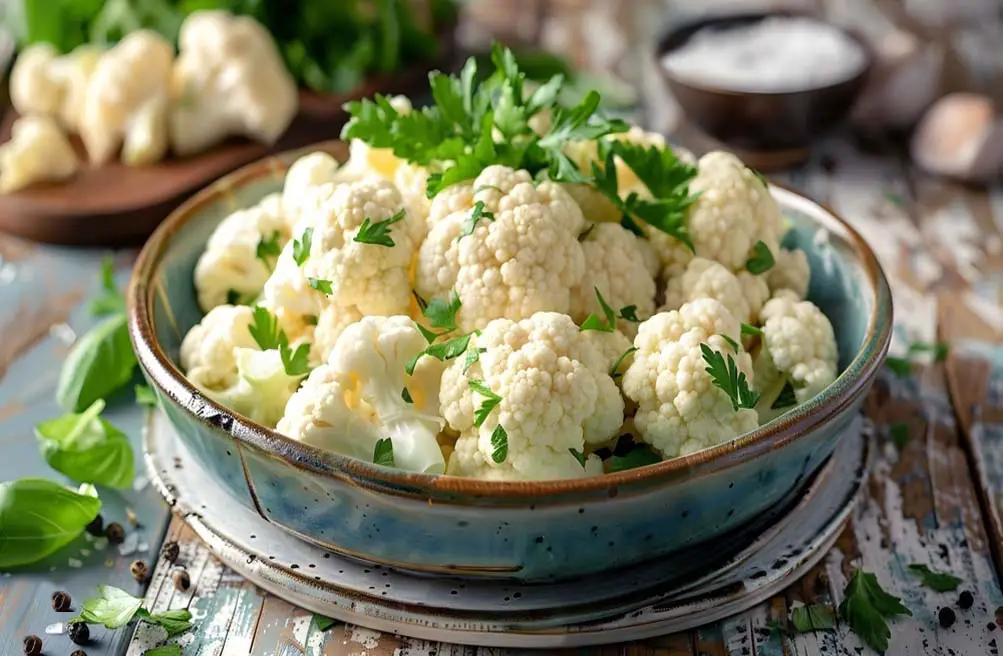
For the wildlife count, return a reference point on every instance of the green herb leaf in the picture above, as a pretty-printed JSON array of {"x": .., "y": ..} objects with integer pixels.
[
  {"x": 476, "y": 215},
  {"x": 321, "y": 285},
  {"x": 938, "y": 349},
  {"x": 900, "y": 435},
  {"x": 27, "y": 538},
  {"x": 490, "y": 402},
  {"x": 311, "y": 319},
  {"x": 761, "y": 259},
  {"x": 383, "y": 453},
  {"x": 406, "y": 395},
  {"x": 614, "y": 371},
  {"x": 301, "y": 246},
  {"x": 473, "y": 355},
  {"x": 592, "y": 322},
  {"x": 786, "y": 399},
  {"x": 145, "y": 396},
  {"x": 731, "y": 342},
  {"x": 750, "y": 330},
  {"x": 233, "y": 297},
  {"x": 264, "y": 329},
  {"x": 638, "y": 456},
  {"x": 629, "y": 313},
  {"x": 813, "y": 617},
  {"x": 269, "y": 247},
  {"x": 99, "y": 364},
  {"x": 295, "y": 362},
  {"x": 937, "y": 581},
  {"x": 377, "y": 233},
  {"x": 901, "y": 367},
  {"x": 579, "y": 456},
  {"x": 866, "y": 607},
  {"x": 87, "y": 448},
  {"x": 111, "y": 301},
  {"x": 165, "y": 650},
  {"x": 322, "y": 622},
  {"x": 759, "y": 176},
  {"x": 173, "y": 621},
  {"x": 114, "y": 608},
  {"x": 441, "y": 313},
  {"x": 499, "y": 444},
  {"x": 725, "y": 376},
  {"x": 442, "y": 351}
]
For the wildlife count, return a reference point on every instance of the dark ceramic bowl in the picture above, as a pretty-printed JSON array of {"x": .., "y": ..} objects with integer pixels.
[
  {"x": 767, "y": 129},
  {"x": 525, "y": 531}
]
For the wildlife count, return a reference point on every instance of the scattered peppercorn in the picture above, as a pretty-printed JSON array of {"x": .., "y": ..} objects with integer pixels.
[
  {"x": 181, "y": 580},
  {"x": 79, "y": 652},
  {"x": 60, "y": 601},
  {"x": 139, "y": 570},
  {"x": 946, "y": 617},
  {"x": 171, "y": 551},
  {"x": 79, "y": 633},
  {"x": 96, "y": 527},
  {"x": 32, "y": 645},
  {"x": 115, "y": 533},
  {"x": 965, "y": 600}
]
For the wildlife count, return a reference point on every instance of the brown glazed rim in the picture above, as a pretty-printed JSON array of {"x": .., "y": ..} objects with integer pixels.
[
  {"x": 709, "y": 21},
  {"x": 847, "y": 387}
]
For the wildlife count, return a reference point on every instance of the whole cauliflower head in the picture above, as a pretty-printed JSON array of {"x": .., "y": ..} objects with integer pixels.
[
  {"x": 790, "y": 271},
  {"x": 798, "y": 346},
  {"x": 373, "y": 278},
  {"x": 229, "y": 80},
  {"x": 357, "y": 398},
  {"x": 742, "y": 295},
  {"x": 616, "y": 265},
  {"x": 522, "y": 259},
  {"x": 553, "y": 395},
  {"x": 241, "y": 254},
  {"x": 38, "y": 151},
  {"x": 125, "y": 100},
  {"x": 679, "y": 410}
]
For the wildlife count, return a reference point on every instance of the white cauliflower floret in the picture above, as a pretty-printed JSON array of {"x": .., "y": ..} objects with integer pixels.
[
  {"x": 208, "y": 350},
  {"x": 37, "y": 151},
  {"x": 412, "y": 182},
  {"x": 263, "y": 387},
  {"x": 373, "y": 278},
  {"x": 231, "y": 269},
  {"x": 34, "y": 89},
  {"x": 733, "y": 211},
  {"x": 122, "y": 94},
  {"x": 229, "y": 80},
  {"x": 554, "y": 393},
  {"x": 615, "y": 264},
  {"x": 680, "y": 411},
  {"x": 798, "y": 346},
  {"x": 73, "y": 71},
  {"x": 790, "y": 272},
  {"x": 331, "y": 322},
  {"x": 357, "y": 398},
  {"x": 523, "y": 259},
  {"x": 308, "y": 183},
  {"x": 742, "y": 295},
  {"x": 611, "y": 346}
]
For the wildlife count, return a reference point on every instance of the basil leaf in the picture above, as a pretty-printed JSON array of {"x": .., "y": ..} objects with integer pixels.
[
  {"x": 145, "y": 396},
  {"x": 814, "y": 617},
  {"x": 100, "y": 363},
  {"x": 40, "y": 517},
  {"x": 87, "y": 448},
  {"x": 322, "y": 622},
  {"x": 639, "y": 456},
  {"x": 166, "y": 650},
  {"x": 111, "y": 300},
  {"x": 173, "y": 621},
  {"x": 113, "y": 609},
  {"x": 938, "y": 581}
]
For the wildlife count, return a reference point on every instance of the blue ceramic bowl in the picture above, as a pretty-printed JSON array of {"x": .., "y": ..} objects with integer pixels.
[{"x": 526, "y": 531}]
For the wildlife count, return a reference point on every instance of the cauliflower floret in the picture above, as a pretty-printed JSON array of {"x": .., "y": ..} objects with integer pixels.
[
  {"x": 790, "y": 272},
  {"x": 742, "y": 295},
  {"x": 679, "y": 410},
  {"x": 524, "y": 258},
  {"x": 309, "y": 182},
  {"x": 331, "y": 322},
  {"x": 798, "y": 347},
  {"x": 364, "y": 160},
  {"x": 38, "y": 151},
  {"x": 357, "y": 398},
  {"x": 612, "y": 346},
  {"x": 229, "y": 80},
  {"x": 412, "y": 181},
  {"x": 733, "y": 211},
  {"x": 73, "y": 71},
  {"x": 554, "y": 395},
  {"x": 615, "y": 264},
  {"x": 371, "y": 277},
  {"x": 263, "y": 387},
  {"x": 122, "y": 96},
  {"x": 208, "y": 350},
  {"x": 33, "y": 87},
  {"x": 237, "y": 260}
]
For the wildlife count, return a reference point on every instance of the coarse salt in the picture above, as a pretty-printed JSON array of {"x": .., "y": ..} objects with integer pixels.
[
  {"x": 774, "y": 55},
  {"x": 55, "y": 629}
]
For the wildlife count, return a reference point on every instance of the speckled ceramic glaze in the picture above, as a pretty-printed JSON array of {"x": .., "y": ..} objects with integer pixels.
[{"x": 526, "y": 531}]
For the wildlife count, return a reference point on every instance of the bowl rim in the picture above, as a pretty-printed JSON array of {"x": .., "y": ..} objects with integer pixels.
[
  {"x": 697, "y": 23},
  {"x": 790, "y": 426}
]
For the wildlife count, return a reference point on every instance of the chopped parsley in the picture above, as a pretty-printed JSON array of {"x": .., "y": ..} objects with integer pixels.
[
  {"x": 726, "y": 376},
  {"x": 761, "y": 260},
  {"x": 378, "y": 232}
]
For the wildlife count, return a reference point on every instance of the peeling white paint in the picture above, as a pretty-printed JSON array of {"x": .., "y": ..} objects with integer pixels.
[{"x": 365, "y": 637}]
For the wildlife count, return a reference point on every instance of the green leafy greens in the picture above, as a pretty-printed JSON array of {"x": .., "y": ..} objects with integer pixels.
[
  {"x": 866, "y": 607},
  {"x": 383, "y": 452},
  {"x": 301, "y": 246},
  {"x": 499, "y": 444},
  {"x": 267, "y": 334},
  {"x": 761, "y": 260},
  {"x": 87, "y": 448},
  {"x": 813, "y": 617},
  {"x": 726, "y": 376},
  {"x": 23, "y": 502},
  {"x": 99, "y": 364},
  {"x": 114, "y": 608},
  {"x": 490, "y": 402},
  {"x": 377, "y": 232},
  {"x": 934, "y": 580}
]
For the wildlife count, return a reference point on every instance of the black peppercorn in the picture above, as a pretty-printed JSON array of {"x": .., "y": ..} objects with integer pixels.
[
  {"x": 96, "y": 527},
  {"x": 79, "y": 652},
  {"x": 171, "y": 551},
  {"x": 181, "y": 580},
  {"x": 115, "y": 533},
  {"x": 60, "y": 601},
  {"x": 965, "y": 600},
  {"x": 32, "y": 645},
  {"x": 79, "y": 633},
  {"x": 946, "y": 617},
  {"x": 139, "y": 570}
]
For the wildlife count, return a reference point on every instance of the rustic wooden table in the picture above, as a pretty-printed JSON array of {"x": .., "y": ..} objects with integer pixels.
[{"x": 935, "y": 495}]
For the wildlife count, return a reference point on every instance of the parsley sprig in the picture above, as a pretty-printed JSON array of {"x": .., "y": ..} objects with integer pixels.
[
  {"x": 726, "y": 376},
  {"x": 301, "y": 246},
  {"x": 269, "y": 247},
  {"x": 267, "y": 334},
  {"x": 866, "y": 608},
  {"x": 608, "y": 323},
  {"x": 378, "y": 232},
  {"x": 441, "y": 315}
]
